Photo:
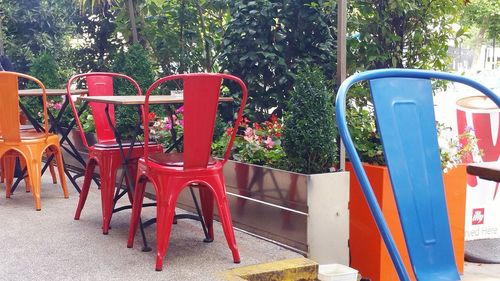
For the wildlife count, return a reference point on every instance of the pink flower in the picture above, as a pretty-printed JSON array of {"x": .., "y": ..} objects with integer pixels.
[
  {"x": 180, "y": 109},
  {"x": 168, "y": 125},
  {"x": 269, "y": 143},
  {"x": 249, "y": 135},
  {"x": 58, "y": 106}
]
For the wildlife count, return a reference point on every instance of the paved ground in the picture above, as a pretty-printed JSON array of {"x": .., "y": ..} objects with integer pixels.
[
  {"x": 481, "y": 272},
  {"x": 50, "y": 245}
]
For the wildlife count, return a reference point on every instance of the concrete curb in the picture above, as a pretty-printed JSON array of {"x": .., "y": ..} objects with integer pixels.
[{"x": 289, "y": 269}]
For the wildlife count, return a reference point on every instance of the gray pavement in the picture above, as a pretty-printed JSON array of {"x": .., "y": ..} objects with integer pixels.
[{"x": 50, "y": 245}]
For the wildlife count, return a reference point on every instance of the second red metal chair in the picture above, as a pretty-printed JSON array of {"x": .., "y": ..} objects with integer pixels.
[{"x": 106, "y": 152}]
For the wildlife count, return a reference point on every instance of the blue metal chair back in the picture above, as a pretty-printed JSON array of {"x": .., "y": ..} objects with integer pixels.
[{"x": 404, "y": 111}]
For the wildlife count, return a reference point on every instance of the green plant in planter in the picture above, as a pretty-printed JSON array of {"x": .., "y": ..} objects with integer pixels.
[
  {"x": 45, "y": 68},
  {"x": 309, "y": 133},
  {"x": 87, "y": 121},
  {"x": 363, "y": 131}
]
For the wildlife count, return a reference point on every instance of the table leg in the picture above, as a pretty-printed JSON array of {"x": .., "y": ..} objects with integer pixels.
[
  {"x": 56, "y": 128},
  {"x": 125, "y": 172}
]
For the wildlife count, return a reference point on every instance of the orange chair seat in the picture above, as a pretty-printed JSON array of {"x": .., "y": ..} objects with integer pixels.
[{"x": 33, "y": 135}]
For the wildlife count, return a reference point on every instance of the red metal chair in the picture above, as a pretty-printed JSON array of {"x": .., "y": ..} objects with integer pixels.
[
  {"x": 106, "y": 152},
  {"x": 170, "y": 173}
]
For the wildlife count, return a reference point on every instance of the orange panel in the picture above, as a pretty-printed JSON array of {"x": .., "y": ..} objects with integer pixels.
[{"x": 368, "y": 252}]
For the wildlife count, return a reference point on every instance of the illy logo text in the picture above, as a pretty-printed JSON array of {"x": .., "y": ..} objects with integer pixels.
[{"x": 478, "y": 216}]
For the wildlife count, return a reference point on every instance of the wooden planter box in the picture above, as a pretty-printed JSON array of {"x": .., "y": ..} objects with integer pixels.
[
  {"x": 368, "y": 252},
  {"x": 308, "y": 213}
]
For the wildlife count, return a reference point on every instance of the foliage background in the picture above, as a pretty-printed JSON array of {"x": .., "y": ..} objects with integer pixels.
[{"x": 264, "y": 42}]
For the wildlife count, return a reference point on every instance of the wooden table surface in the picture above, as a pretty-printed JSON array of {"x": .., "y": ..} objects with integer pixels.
[
  {"x": 138, "y": 100},
  {"x": 49, "y": 92},
  {"x": 486, "y": 170}
]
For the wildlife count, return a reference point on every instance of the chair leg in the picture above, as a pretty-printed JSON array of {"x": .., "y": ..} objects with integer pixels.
[
  {"x": 2, "y": 171},
  {"x": 164, "y": 217},
  {"x": 9, "y": 165},
  {"x": 207, "y": 208},
  {"x": 108, "y": 169},
  {"x": 35, "y": 174},
  {"x": 60, "y": 167},
  {"x": 140, "y": 186},
  {"x": 225, "y": 216},
  {"x": 89, "y": 171},
  {"x": 53, "y": 172},
  {"x": 27, "y": 184}
]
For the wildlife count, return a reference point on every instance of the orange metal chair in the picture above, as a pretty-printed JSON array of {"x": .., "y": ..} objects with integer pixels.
[
  {"x": 170, "y": 173},
  {"x": 29, "y": 144},
  {"x": 106, "y": 152}
]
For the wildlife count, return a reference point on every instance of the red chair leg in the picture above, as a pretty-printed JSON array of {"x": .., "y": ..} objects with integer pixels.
[
  {"x": 164, "y": 217},
  {"x": 108, "y": 168},
  {"x": 89, "y": 171},
  {"x": 207, "y": 208},
  {"x": 225, "y": 216},
  {"x": 140, "y": 186}
]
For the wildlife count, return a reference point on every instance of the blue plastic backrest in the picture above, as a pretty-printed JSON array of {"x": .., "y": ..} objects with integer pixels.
[{"x": 404, "y": 111}]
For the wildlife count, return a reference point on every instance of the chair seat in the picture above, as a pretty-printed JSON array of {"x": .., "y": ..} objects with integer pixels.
[
  {"x": 114, "y": 144},
  {"x": 174, "y": 159},
  {"x": 31, "y": 135}
]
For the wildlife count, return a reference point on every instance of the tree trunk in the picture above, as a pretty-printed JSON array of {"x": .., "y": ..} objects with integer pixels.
[
  {"x": 182, "y": 63},
  {"x": 494, "y": 58},
  {"x": 206, "y": 43},
  {"x": 133, "y": 26},
  {"x": 2, "y": 50}
]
